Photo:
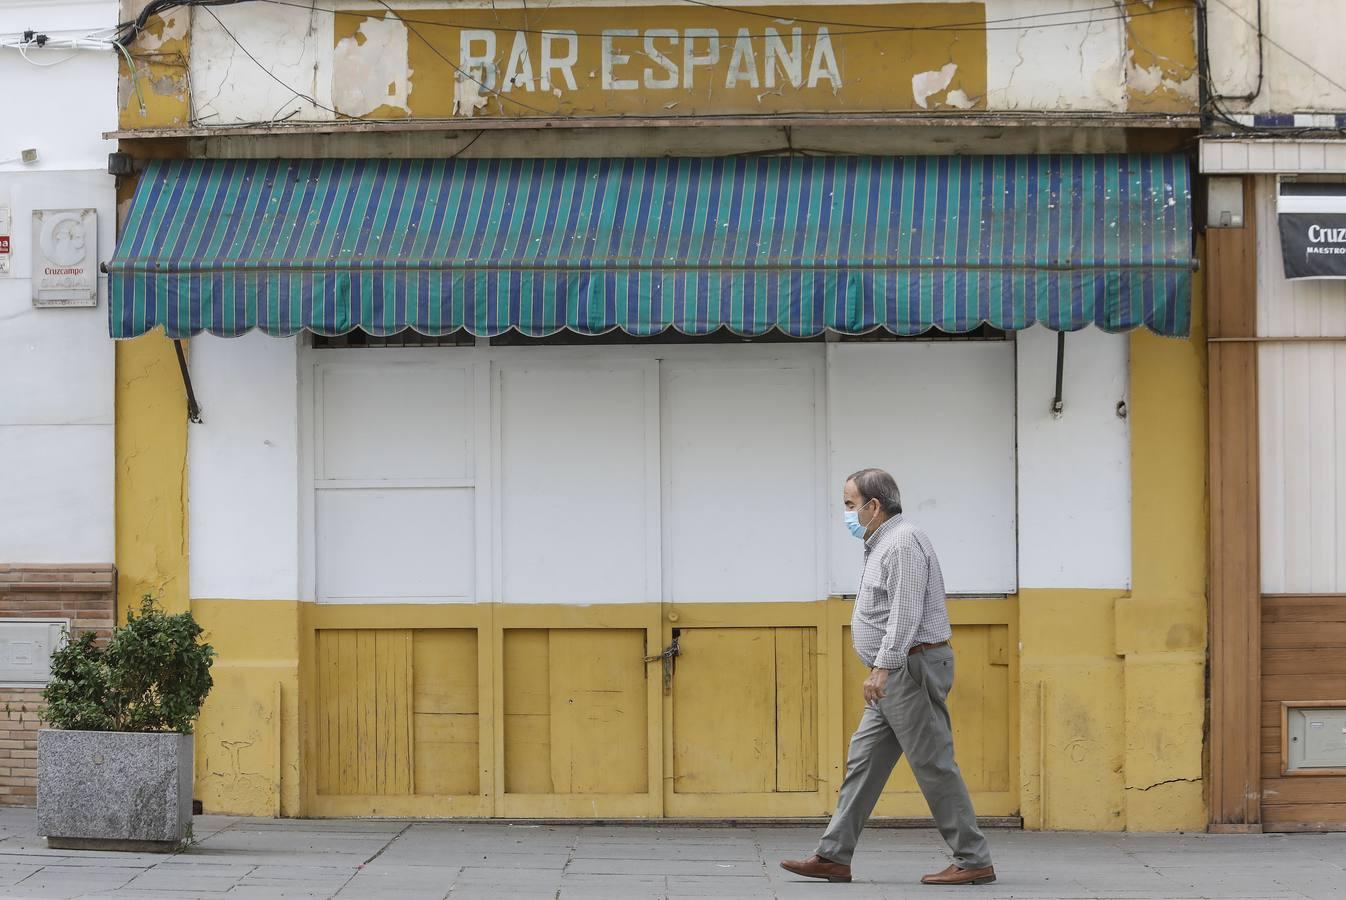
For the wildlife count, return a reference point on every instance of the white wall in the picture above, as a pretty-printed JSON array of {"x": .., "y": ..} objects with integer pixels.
[
  {"x": 939, "y": 417},
  {"x": 228, "y": 88},
  {"x": 242, "y": 469},
  {"x": 1304, "y": 70},
  {"x": 574, "y": 475},
  {"x": 56, "y": 365},
  {"x": 1075, "y": 471},
  {"x": 61, "y": 110},
  {"x": 743, "y": 441},
  {"x": 577, "y": 481},
  {"x": 1302, "y": 421}
]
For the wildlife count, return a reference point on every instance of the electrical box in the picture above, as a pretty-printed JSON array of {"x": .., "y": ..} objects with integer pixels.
[
  {"x": 1224, "y": 202},
  {"x": 26, "y": 646},
  {"x": 1316, "y": 738}
]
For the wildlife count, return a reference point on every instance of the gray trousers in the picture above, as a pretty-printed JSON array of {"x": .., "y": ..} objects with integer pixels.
[{"x": 913, "y": 718}]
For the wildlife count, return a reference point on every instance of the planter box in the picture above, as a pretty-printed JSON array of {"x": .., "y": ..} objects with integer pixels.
[{"x": 109, "y": 790}]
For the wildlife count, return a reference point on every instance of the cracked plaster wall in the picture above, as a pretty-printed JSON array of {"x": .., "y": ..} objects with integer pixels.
[
  {"x": 1307, "y": 29},
  {"x": 229, "y": 88},
  {"x": 1057, "y": 68}
]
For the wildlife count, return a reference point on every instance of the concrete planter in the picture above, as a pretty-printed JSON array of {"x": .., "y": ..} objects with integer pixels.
[{"x": 110, "y": 790}]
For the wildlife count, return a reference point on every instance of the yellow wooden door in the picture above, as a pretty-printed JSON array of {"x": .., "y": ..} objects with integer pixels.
[
  {"x": 396, "y": 719},
  {"x": 742, "y": 723},
  {"x": 576, "y": 726}
]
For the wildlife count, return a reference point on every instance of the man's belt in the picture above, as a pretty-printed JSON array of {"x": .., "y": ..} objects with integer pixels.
[{"x": 919, "y": 648}]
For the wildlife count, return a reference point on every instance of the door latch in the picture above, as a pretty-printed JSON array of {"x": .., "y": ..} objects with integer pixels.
[{"x": 669, "y": 657}]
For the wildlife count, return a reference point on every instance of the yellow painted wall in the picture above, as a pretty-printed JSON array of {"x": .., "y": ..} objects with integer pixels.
[
  {"x": 151, "y": 475},
  {"x": 1162, "y": 626},
  {"x": 1113, "y": 701},
  {"x": 247, "y": 739}
]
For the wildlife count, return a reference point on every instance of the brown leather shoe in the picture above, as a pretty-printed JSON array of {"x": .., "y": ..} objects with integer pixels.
[
  {"x": 955, "y": 875},
  {"x": 817, "y": 867}
]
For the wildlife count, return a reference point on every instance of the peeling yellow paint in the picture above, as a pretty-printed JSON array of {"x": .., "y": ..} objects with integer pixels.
[
  {"x": 1161, "y": 65},
  {"x": 156, "y": 93},
  {"x": 369, "y": 70}
]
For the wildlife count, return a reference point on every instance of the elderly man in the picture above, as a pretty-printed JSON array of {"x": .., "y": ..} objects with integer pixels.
[{"x": 900, "y": 629}]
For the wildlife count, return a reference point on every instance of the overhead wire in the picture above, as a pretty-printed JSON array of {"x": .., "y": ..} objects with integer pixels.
[
  {"x": 272, "y": 75},
  {"x": 1224, "y": 116},
  {"x": 853, "y": 28}
]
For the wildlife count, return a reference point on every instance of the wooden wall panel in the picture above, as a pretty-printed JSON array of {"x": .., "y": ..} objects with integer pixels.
[
  {"x": 1235, "y": 634},
  {"x": 745, "y": 711},
  {"x": 724, "y": 712},
  {"x": 598, "y": 711},
  {"x": 364, "y": 712},
  {"x": 796, "y": 709},
  {"x": 1304, "y": 659},
  {"x": 527, "y": 699},
  {"x": 445, "y": 703},
  {"x": 576, "y": 714}
]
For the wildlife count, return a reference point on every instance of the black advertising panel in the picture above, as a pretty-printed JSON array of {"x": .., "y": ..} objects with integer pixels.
[{"x": 1312, "y": 220}]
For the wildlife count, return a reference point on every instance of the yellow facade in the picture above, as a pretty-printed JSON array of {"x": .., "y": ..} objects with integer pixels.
[{"x": 1077, "y": 709}]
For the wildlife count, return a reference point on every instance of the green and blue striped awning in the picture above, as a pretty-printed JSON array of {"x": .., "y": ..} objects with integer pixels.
[{"x": 802, "y": 245}]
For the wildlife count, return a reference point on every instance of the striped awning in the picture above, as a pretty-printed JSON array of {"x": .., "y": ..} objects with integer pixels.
[{"x": 801, "y": 245}]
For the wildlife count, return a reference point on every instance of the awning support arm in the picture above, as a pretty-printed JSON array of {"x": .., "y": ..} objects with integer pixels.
[
  {"x": 193, "y": 410},
  {"x": 1058, "y": 404}
]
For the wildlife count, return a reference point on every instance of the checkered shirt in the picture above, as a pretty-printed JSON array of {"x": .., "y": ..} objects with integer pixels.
[{"x": 901, "y": 601}]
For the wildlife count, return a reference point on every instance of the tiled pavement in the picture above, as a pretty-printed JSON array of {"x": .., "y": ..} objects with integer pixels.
[{"x": 349, "y": 859}]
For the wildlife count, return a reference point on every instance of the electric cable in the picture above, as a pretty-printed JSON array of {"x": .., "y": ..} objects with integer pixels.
[{"x": 853, "y": 28}]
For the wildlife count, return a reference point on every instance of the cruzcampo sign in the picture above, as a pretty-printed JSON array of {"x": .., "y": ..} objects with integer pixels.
[
  {"x": 1312, "y": 220},
  {"x": 1313, "y": 244},
  {"x": 661, "y": 61}
]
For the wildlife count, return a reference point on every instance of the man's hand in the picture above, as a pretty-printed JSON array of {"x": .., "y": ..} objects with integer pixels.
[{"x": 873, "y": 686}]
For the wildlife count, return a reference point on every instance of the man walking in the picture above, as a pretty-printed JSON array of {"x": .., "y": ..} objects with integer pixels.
[{"x": 900, "y": 629}]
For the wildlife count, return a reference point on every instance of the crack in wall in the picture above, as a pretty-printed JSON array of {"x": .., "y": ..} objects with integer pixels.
[{"x": 1162, "y": 783}]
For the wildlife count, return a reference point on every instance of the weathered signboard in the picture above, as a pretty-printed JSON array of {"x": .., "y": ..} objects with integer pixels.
[{"x": 684, "y": 60}]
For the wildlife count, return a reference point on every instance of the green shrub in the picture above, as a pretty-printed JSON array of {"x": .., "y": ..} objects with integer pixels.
[{"x": 153, "y": 675}]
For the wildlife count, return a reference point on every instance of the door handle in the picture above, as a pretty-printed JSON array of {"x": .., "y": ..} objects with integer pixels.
[{"x": 669, "y": 656}]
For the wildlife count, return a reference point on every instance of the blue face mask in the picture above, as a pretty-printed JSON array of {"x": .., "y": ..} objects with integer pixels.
[{"x": 852, "y": 520}]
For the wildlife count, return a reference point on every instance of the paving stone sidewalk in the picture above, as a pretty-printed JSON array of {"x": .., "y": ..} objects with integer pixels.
[{"x": 354, "y": 859}]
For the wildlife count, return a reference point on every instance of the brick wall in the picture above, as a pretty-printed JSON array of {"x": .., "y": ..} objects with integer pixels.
[{"x": 87, "y": 596}]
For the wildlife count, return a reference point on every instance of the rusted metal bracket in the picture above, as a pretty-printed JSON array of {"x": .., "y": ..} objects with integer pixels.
[{"x": 193, "y": 409}]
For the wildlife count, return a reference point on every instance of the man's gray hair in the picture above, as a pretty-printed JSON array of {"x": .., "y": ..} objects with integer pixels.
[{"x": 876, "y": 484}]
